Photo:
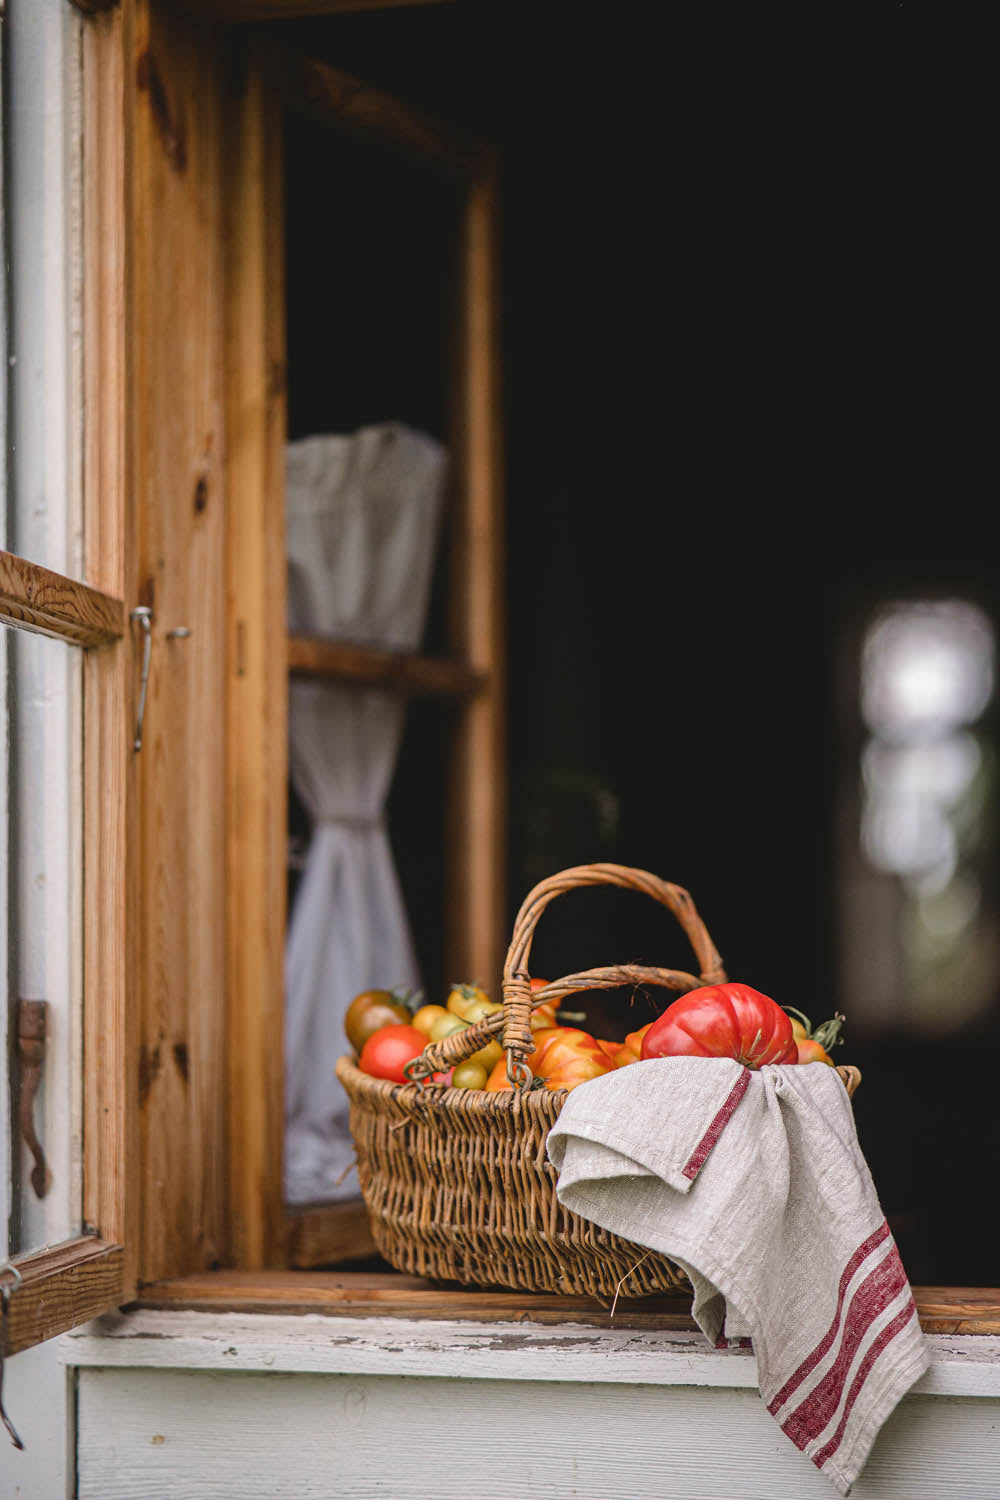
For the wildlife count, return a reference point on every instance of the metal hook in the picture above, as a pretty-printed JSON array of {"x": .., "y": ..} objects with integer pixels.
[
  {"x": 144, "y": 615},
  {"x": 4, "y": 1308}
]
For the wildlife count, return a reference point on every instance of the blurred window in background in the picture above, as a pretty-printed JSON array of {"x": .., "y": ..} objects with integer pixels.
[{"x": 918, "y": 838}]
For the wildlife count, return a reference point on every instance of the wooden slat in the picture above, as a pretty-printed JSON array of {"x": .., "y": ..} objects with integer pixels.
[
  {"x": 941, "y": 1309},
  {"x": 337, "y": 100},
  {"x": 476, "y": 904},
  {"x": 392, "y": 1294},
  {"x": 110, "y": 1021},
  {"x": 60, "y": 1288},
  {"x": 37, "y": 599},
  {"x": 401, "y": 670},
  {"x": 256, "y": 680},
  {"x": 324, "y": 1234},
  {"x": 958, "y": 1309},
  {"x": 177, "y": 171}
]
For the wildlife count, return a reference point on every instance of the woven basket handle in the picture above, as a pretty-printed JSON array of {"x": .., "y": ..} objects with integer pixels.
[{"x": 518, "y": 998}]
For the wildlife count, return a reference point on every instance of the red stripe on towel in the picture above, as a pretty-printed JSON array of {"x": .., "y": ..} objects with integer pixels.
[
  {"x": 888, "y": 1333},
  {"x": 826, "y": 1342},
  {"x": 872, "y": 1297},
  {"x": 708, "y": 1140}
]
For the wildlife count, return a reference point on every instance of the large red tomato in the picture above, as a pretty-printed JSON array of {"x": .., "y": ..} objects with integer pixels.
[
  {"x": 386, "y": 1051},
  {"x": 723, "y": 1020}
]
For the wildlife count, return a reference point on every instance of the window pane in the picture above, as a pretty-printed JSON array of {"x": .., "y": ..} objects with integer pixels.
[
  {"x": 43, "y": 143},
  {"x": 42, "y": 918}
]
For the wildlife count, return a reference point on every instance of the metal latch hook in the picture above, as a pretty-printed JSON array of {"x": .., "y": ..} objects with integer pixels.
[{"x": 144, "y": 615}]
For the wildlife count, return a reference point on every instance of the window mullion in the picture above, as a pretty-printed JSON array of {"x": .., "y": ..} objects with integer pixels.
[{"x": 37, "y": 599}]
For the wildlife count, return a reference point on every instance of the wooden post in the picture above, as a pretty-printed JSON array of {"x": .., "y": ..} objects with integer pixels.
[
  {"x": 111, "y": 1013},
  {"x": 476, "y": 905},
  {"x": 256, "y": 672}
]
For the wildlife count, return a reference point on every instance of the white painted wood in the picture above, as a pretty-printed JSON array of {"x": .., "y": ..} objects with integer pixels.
[
  {"x": 38, "y": 1398},
  {"x": 146, "y": 1434},
  {"x": 41, "y": 854},
  {"x": 43, "y": 154},
  {"x": 571, "y": 1353},
  {"x": 5, "y": 1144}
]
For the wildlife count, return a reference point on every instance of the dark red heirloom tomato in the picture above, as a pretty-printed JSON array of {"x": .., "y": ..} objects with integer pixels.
[{"x": 723, "y": 1020}]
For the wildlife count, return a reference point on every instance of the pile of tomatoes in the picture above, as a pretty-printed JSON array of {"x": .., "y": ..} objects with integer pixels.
[{"x": 389, "y": 1028}]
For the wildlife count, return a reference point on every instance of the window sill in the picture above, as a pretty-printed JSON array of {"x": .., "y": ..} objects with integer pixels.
[{"x": 362, "y": 1324}]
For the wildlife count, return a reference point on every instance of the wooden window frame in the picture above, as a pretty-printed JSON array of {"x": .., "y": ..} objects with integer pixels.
[
  {"x": 257, "y": 671},
  {"x": 56, "y": 1288},
  {"x": 470, "y": 676},
  {"x": 53, "y": 1289}
]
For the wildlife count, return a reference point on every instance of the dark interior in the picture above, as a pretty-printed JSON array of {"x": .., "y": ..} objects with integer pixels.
[{"x": 745, "y": 329}]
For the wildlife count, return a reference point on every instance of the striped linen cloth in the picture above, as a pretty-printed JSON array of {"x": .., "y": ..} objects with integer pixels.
[{"x": 754, "y": 1182}]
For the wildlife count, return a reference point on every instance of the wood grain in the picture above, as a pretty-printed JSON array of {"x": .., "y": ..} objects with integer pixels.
[
  {"x": 941, "y": 1309},
  {"x": 179, "y": 497},
  {"x": 35, "y": 598},
  {"x": 322, "y": 1234},
  {"x": 256, "y": 678},
  {"x": 390, "y": 1293},
  {"x": 476, "y": 903},
  {"x": 110, "y": 1017},
  {"x": 60, "y": 1288},
  {"x": 405, "y": 671},
  {"x": 957, "y": 1309}
]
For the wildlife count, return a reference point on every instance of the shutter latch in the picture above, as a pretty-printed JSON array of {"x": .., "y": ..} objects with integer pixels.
[{"x": 31, "y": 1027}]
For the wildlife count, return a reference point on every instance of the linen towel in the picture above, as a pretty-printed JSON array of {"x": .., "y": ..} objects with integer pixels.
[{"x": 755, "y": 1184}]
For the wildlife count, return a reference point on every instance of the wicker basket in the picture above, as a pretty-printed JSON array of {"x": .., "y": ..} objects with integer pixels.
[{"x": 457, "y": 1183}]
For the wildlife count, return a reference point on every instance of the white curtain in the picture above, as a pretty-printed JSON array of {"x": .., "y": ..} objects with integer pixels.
[{"x": 362, "y": 528}]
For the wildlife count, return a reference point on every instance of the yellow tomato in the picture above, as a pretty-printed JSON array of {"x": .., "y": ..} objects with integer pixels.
[
  {"x": 425, "y": 1017},
  {"x": 477, "y": 1009},
  {"x": 487, "y": 1056},
  {"x": 462, "y": 996},
  {"x": 445, "y": 1025},
  {"x": 469, "y": 1075}
]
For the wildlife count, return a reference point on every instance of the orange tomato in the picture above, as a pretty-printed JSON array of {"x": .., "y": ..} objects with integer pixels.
[
  {"x": 811, "y": 1051},
  {"x": 424, "y": 1018},
  {"x": 565, "y": 1057},
  {"x": 812, "y": 1041},
  {"x": 630, "y": 1050},
  {"x": 545, "y": 1015},
  {"x": 498, "y": 1080}
]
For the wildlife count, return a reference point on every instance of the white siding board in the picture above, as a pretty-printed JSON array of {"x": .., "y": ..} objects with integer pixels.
[
  {"x": 146, "y": 1433},
  {"x": 315, "y": 1344}
]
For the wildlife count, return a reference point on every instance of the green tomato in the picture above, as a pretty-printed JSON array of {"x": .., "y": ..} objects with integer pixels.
[
  {"x": 447, "y": 1025},
  {"x": 480, "y": 1008},
  {"x": 469, "y": 1075}
]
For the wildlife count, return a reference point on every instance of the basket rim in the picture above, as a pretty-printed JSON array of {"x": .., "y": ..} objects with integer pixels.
[
  {"x": 494, "y": 1103},
  {"x": 414, "y": 1097}
]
